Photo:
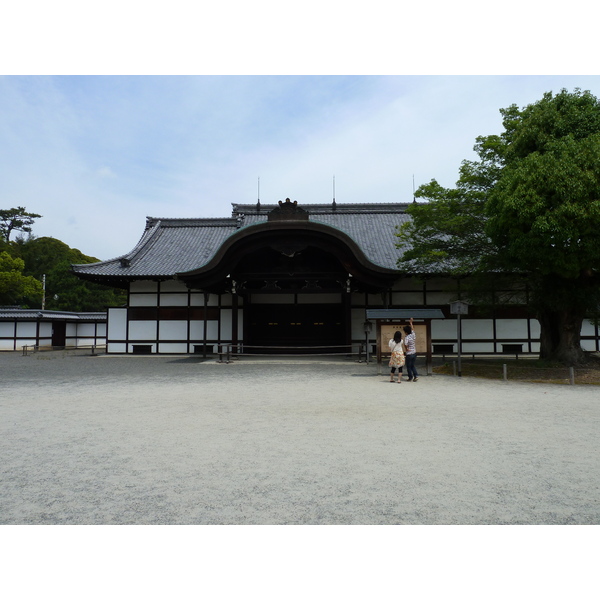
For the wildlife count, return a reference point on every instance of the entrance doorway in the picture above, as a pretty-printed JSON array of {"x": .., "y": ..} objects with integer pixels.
[
  {"x": 59, "y": 334},
  {"x": 306, "y": 328}
]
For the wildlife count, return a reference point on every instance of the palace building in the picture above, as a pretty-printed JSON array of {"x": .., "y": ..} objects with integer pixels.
[{"x": 277, "y": 278}]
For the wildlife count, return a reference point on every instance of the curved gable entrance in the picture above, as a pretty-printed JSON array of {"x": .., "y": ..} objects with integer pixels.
[
  {"x": 294, "y": 296},
  {"x": 293, "y": 279}
]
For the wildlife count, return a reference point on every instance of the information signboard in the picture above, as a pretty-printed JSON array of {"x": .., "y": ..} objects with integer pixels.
[
  {"x": 459, "y": 308},
  {"x": 387, "y": 333}
]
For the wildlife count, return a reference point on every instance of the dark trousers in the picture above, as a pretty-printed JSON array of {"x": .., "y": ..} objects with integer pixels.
[{"x": 411, "y": 369}]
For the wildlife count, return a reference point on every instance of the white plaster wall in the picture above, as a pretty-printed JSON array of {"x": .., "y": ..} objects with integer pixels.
[
  {"x": 357, "y": 319},
  {"x": 588, "y": 345},
  {"x": 477, "y": 347},
  {"x": 198, "y": 300},
  {"x": 374, "y": 300},
  {"x": 172, "y": 330},
  {"x": 112, "y": 347},
  {"x": 180, "y": 348},
  {"x": 511, "y": 328},
  {"x": 535, "y": 329},
  {"x": 226, "y": 324},
  {"x": 85, "y": 329},
  {"x": 172, "y": 285},
  {"x": 197, "y": 330},
  {"x": 46, "y": 332},
  {"x": 143, "y": 299},
  {"x": 439, "y": 283},
  {"x": 173, "y": 299},
  {"x": 408, "y": 284},
  {"x": 587, "y": 328},
  {"x": 7, "y": 329},
  {"x": 117, "y": 323},
  {"x": 443, "y": 329},
  {"x": 25, "y": 329},
  {"x": 241, "y": 325},
  {"x": 46, "y": 329},
  {"x": 439, "y": 298},
  {"x": 143, "y": 286},
  {"x": 8, "y": 344},
  {"x": 142, "y": 330},
  {"x": 477, "y": 328},
  {"x": 71, "y": 329},
  {"x": 407, "y": 298}
]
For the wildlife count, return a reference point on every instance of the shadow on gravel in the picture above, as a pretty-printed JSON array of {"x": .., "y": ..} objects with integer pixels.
[{"x": 189, "y": 360}]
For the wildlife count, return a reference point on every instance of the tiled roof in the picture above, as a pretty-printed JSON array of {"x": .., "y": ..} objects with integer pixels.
[
  {"x": 28, "y": 314},
  {"x": 170, "y": 246}
]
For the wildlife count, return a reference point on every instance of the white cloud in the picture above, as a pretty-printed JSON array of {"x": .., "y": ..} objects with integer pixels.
[{"x": 106, "y": 173}]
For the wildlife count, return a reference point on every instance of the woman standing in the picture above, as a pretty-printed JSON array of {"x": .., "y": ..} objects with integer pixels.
[
  {"x": 397, "y": 357},
  {"x": 410, "y": 341}
]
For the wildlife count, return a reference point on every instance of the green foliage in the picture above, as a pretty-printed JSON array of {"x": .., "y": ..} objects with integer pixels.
[
  {"x": 537, "y": 127},
  {"x": 15, "y": 219},
  {"x": 446, "y": 235},
  {"x": 529, "y": 208},
  {"x": 544, "y": 213},
  {"x": 65, "y": 291},
  {"x": 14, "y": 285},
  {"x": 23, "y": 263}
]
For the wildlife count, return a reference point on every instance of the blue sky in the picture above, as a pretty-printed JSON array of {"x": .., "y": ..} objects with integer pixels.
[{"x": 95, "y": 155}]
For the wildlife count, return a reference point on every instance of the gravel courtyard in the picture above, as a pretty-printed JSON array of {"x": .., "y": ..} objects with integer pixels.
[{"x": 177, "y": 440}]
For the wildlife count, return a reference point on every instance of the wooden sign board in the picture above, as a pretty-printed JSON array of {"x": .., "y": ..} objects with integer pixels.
[{"x": 387, "y": 333}]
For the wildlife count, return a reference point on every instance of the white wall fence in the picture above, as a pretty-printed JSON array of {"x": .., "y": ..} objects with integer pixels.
[{"x": 45, "y": 330}]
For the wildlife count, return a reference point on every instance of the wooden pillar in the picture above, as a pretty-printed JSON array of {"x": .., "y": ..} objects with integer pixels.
[
  {"x": 347, "y": 316},
  {"x": 205, "y": 323},
  {"x": 234, "y": 320}
]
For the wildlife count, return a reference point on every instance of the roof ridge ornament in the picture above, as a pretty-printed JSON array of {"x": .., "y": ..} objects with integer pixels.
[{"x": 288, "y": 211}]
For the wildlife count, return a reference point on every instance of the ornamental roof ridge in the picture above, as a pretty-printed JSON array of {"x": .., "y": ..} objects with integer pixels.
[
  {"x": 329, "y": 208},
  {"x": 191, "y": 221}
]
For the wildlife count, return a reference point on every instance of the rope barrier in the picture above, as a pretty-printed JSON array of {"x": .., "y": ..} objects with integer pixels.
[{"x": 240, "y": 350}]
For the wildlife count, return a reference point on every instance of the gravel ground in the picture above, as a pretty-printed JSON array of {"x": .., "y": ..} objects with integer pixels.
[{"x": 177, "y": 440}]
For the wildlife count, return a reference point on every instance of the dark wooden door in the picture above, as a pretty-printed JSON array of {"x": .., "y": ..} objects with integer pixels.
[
  {"x": 288, "y": 328},
  {"x": 59, "y": 334}
]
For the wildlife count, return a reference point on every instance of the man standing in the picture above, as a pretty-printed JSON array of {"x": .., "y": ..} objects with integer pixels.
[{"x": 410, "y": 342}]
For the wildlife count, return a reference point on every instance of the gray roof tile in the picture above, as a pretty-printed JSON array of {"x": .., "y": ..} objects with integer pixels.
[
  {"x": 170, "y": 246},
  {"x": 25, "y": 314}
]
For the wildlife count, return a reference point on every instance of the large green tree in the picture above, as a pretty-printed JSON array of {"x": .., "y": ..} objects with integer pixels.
[
  {"x": 15, "y": 219},
  {"x": 53, "y": 258},
  {"x": 25, "y": 260},
  {"x": 527, "y": 210}
]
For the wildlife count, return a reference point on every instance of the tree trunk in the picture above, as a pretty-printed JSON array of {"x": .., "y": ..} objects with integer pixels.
[{"x": 560, "y": 336}]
